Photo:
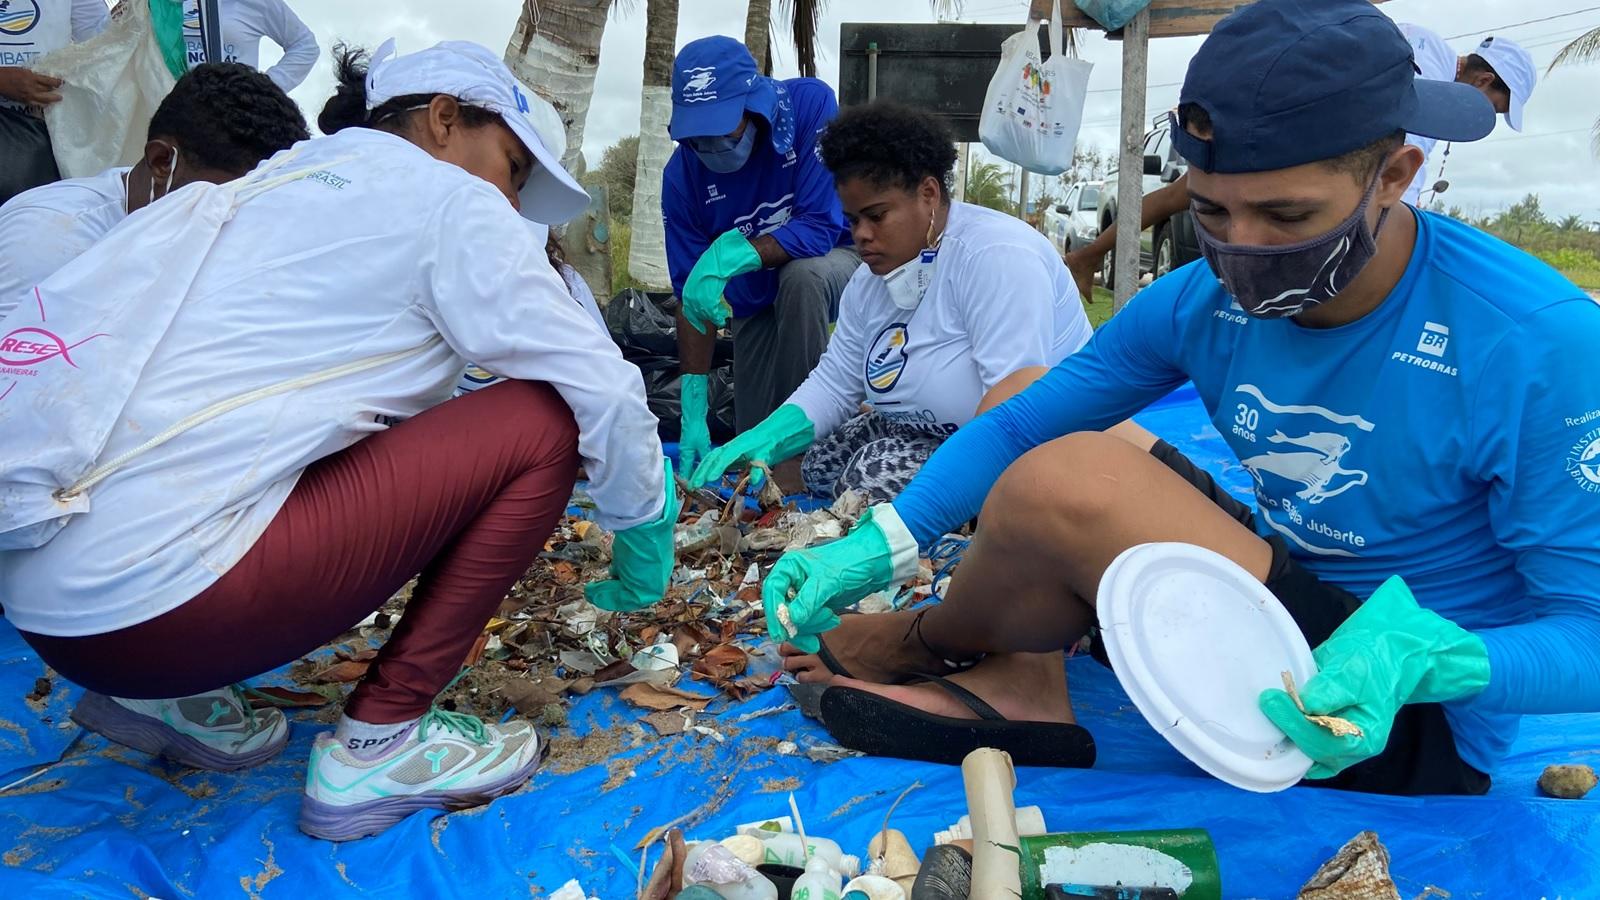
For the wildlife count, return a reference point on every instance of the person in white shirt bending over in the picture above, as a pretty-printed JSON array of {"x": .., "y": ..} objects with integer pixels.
[
  {"x": 950, "y": 300},
  {"x": 30, "y": 29},
  {"x": 219, "y": 121},
  {"x": 345, "y": 292},
  {"x": 244, "y": 24}
]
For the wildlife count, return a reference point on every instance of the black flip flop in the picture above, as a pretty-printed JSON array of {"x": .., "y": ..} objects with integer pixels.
[{"x": 878, "y": 726}]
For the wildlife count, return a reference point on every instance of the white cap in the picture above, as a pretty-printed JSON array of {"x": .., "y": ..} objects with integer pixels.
[
  {"x": 1515, "y": 68},
  {"x": 475, "y": 76}
]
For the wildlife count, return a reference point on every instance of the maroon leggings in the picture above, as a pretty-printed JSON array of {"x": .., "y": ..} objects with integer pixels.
[{"x": 465, "y": 493}]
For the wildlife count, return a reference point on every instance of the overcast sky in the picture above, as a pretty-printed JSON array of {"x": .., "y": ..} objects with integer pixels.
[{"x": 1550, "y": 158}]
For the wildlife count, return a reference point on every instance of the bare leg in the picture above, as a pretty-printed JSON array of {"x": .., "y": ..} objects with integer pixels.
[{"x": 1052, "y": 524}]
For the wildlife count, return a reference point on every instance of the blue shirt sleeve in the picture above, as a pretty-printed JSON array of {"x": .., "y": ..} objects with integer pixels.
[
  {"x": 1130, "y": 362},
  {"x": 685, "y": 239},
  {"x": 818, "y": 220},
  {"x": 1536, "y": 434}
]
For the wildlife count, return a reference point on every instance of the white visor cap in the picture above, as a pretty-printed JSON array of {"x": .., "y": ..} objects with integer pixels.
[{"x": 475, "y": 76}]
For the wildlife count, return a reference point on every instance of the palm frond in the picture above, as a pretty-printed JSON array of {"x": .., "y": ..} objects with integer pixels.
[
  {"x": 1585, "y": 49},
  {"x": 803, "y": 17}
]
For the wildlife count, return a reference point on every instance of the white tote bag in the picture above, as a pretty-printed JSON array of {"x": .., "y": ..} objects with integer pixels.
[
  {"x": 113, "y": 83},
  {"x": 72, "y": 352},
  {"x": 1034, "y": 108}
]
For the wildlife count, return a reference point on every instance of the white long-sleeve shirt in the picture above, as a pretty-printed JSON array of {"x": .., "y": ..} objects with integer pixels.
[
  {"x": 1001, "y": 300},
  {"x": 56, "y": 222},
  {"x": 382, "y": 249},
  {"x": 244, "y": 24},
  {"x": 1435, "y": 62},
  {"x": 29, "y": 30}
]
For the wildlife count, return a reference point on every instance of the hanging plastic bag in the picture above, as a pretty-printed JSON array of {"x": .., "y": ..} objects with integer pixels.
[
  {"x": 113, "y": 83},
  {"x": 1034, "y": 108},
  {"x": 1112, "y": 14}
]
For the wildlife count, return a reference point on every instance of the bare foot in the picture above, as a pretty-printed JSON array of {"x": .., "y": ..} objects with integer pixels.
[
  {"x": 1023, "y": 687},
  {"x": 877, "y": 648}
]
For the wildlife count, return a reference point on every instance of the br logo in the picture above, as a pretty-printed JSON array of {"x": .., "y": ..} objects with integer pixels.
[
  {"x": 701, "y": 80},
  {"x": 522, "y": 99},
  {"x": 17, "y": 17}
]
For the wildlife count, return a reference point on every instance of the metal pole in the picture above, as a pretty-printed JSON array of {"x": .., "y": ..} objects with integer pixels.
[
  {"x": 211, "y": 29},
  {"x": 1130, "y": 167},
  {"x": 1022, "y": 199},
  {"x": 872, "y": 71}
]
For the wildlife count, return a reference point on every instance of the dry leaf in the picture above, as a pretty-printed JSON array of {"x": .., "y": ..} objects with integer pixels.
[
  {"x": 342, "y": 672},
  {"x": 652, "y": 696},
  {"x": 476, "y": 653},
  {"x": 564, "y": 572},
  {"x": 286, "y": 698},
  {"x": 721, "y": 663},
  {"x": 619, "y": 669},
  {"x": 668, "y": 722},
  {"x": 530, "y": 697},
  {"x": 581, "y": 687},
  {"x": 647, "y": 635},
  {"x": 365, "y": 654}
]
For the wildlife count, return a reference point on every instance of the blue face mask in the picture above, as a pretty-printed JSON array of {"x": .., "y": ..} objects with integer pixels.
[{"x": 724, "y": 154}]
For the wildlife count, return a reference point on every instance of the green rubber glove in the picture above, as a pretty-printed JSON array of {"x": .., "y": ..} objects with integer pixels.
[
  {"x": 779, "y": 436},
  {"x": 694, "y": 436},
  {"x": 814, "y": 584},
  {"x": 729, "y": 255},
  {"x": 641, "y": 560},
  {"x": 1390, "y": 652}
]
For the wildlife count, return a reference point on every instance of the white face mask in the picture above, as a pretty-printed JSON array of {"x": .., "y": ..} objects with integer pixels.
[
  {"x": 173, "y": 170},
  {"x": 909, "y": 282}
]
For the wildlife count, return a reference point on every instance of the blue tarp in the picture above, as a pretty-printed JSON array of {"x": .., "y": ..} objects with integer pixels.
[{"x": 103, "y": 822}]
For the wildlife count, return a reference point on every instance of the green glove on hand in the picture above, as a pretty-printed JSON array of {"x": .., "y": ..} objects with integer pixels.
[
  {"x": 729, "y": 255},
  {"x": 1390, "y": 652},
  {"x": 779, "y": 436},
  {"x": 811, "y": 586},
  {"x": 694, "y": 438},
  {"x": 641, "y": 560}
]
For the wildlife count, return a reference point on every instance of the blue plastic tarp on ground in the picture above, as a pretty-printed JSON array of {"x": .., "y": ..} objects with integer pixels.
[{"x": 104, "y": 822}]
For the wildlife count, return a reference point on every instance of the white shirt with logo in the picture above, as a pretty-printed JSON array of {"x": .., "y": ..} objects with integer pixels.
[
  {"x": 31, "y": 28},
  {"x": 388, "y": 250},
  {"x": 1000, "y": 300},
  {"x": 56, "y": 222},
  {"x": 244, "y": 24},
  {"x": 1435, "y": 62}
]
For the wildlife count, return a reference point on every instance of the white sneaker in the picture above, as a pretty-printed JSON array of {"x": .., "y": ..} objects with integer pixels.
[
  {"x": 448, "y": 761},
  {"x": 217, "y": 730}
]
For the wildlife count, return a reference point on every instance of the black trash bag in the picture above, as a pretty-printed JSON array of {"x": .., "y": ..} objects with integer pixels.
[
  {"x": 664, "y": 391},
  {"x": 645, "y": 328}
]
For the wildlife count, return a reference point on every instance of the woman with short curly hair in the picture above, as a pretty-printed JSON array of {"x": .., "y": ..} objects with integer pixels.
[{"x": 950, "y": 300}]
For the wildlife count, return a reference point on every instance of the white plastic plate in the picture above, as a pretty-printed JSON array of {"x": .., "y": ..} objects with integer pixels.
[{"x": 1195, "y": 639}]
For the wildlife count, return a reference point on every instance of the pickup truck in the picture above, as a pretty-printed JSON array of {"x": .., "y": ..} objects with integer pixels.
[{"x": 1169, "y": 244}]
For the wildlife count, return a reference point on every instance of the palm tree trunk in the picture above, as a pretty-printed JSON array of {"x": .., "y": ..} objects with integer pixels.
[
  {"x": 647, "y": 257},
  {"x": 757, "y": 28},
  {"x": 555, "y": 50}
]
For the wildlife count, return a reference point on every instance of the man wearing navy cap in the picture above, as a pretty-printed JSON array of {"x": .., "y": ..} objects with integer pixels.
[
  {"x": 753, "y": 229},
  {"x": 1499, "y": 69},
  {"x": 1412, "y": 398}
]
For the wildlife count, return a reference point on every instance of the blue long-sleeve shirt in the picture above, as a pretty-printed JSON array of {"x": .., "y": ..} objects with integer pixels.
[
  {"x": 783, "y": 190},
  {"x": 1451, "y": 436}
]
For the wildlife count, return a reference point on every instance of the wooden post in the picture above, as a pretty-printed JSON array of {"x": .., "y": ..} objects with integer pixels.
[{"x": 1130, "y": 166}]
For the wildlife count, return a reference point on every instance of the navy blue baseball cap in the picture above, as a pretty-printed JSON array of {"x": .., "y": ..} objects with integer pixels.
[
  {"x": 1288, "y": 82},
  {"x": 714, "y": 80}
]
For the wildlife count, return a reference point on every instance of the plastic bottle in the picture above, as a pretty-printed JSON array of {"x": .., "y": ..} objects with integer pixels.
[
  {"x": 820, "y": 882},
  {"x": 787, "y": 850}
]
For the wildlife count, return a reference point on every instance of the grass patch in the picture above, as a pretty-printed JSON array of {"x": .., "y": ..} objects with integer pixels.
[{"x": 1099, "y": 311}]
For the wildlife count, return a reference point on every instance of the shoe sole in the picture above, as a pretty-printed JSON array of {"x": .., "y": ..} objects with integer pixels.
[
  {"x": 331, "y": 822},
  {"x": 115, "y": 722}
]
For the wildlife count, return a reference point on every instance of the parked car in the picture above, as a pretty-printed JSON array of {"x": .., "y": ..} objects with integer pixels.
[
  {"x": 1080, "y": 214},
  {"x": 1169, "y": 244}
]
